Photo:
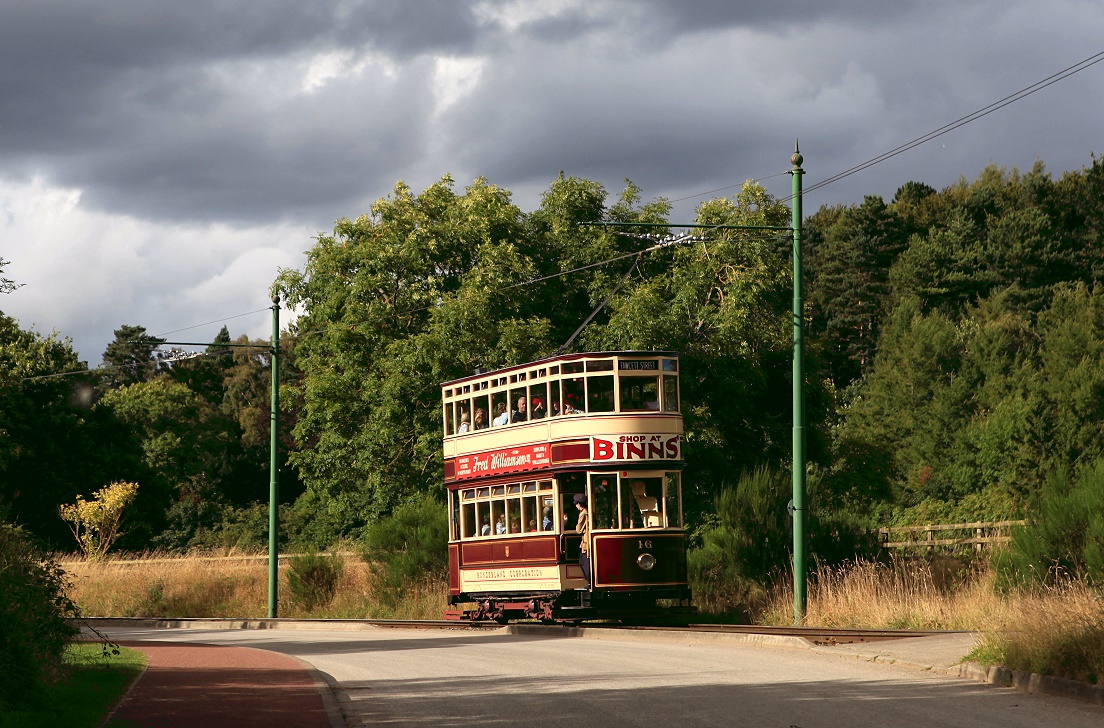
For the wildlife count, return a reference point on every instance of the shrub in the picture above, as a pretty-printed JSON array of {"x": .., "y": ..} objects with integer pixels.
[
  {"x": 312, "y": 579},
  {"x": 750, "y": 540},
  {"x": 1066, "y": 536},
  {"x": 33, "y": 610},
  {"x": 408, "y": 547},
  {"x": 95, "y": 523}
]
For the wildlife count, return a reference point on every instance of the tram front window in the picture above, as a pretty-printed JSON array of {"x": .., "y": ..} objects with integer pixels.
[
  {"x": 603, "y": 503},
  {"x": 641, "y": 500}
]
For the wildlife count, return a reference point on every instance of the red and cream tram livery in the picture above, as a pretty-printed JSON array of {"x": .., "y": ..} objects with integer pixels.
[{"x": 521, "y": 442}]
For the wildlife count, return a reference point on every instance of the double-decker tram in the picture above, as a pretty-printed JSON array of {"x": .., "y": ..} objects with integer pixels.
[{"x": 521, "y": 443}]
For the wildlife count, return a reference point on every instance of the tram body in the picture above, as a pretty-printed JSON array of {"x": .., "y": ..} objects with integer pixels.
[{"x": 606, "y": 425}]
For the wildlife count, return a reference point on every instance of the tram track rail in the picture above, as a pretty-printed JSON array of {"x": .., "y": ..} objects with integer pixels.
[{"x": 815, "y": 635}]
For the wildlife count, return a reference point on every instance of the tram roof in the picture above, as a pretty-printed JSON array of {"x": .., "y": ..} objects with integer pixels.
[{"x": 561, "y": 357}]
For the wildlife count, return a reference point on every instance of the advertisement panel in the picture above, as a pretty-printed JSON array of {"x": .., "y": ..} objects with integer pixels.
[
  {"x": 635, "y": 448},
  {"x": 501, "y": 462}
]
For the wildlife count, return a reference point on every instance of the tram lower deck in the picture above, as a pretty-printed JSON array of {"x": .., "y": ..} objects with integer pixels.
[{"x": 518, "y": 553}]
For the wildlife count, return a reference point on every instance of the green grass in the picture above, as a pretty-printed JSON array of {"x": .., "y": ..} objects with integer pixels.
[{"x": 92, "y": 687}]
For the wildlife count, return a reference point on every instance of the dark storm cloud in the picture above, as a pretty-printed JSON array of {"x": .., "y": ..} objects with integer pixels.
[
  {"x": 198, "y": 112},
  {"x": 133, "y": 103}
]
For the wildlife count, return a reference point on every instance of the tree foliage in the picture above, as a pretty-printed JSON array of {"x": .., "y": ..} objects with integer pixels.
[
  {"x": 428, "y": 287},
  {"x": 34, "y": 608}
]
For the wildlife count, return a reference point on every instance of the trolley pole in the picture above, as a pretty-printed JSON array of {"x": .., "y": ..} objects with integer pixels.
[
  {"x": 799, "y": 575},
  {"x": 274, "y": 465}
]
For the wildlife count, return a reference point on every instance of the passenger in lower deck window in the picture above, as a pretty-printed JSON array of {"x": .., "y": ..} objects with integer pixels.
[
  {"x": 500, "y": 525},
  {"x": 486, "y": 531},
  {"x": 546, "y": 522}
]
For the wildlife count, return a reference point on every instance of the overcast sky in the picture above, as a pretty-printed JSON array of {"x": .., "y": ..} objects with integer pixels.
[{"x": 159, "y": 161}]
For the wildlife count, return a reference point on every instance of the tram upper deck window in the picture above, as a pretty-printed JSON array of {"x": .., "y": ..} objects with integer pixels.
[
  {"x": 670, "y": 393},
  {"x": 501, "y": 411},
  {"x": 600, "y": 393},
  {"x": 639, "y": 394}
]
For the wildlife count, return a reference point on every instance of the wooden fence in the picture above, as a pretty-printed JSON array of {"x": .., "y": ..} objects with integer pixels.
[{"x": 978, "y": 535}]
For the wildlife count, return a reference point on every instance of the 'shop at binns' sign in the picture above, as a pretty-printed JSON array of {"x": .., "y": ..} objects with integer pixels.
[{"x": 614, "y": 448}]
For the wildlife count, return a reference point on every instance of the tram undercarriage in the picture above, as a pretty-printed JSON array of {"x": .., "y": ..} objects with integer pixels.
[{"x": 574, "y": 606}]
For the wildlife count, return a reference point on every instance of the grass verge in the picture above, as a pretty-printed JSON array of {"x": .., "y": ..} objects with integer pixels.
[
  {"x": 196, "y": 585},
  {"x": 91, "y": 687},
  {"x": 1054, "y": 630}
]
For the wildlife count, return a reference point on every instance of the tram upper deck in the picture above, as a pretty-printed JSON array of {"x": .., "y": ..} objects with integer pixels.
[{"x": 599, "y": 408}]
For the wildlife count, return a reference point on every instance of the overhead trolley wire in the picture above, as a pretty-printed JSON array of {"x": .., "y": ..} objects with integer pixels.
[{"x": 960, "y": 122}]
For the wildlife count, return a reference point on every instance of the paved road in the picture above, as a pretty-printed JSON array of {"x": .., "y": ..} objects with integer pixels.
[{"x": 460, "y": 678}]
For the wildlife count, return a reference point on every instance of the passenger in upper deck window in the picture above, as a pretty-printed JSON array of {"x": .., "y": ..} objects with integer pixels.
[
  {"x": 570, "y": 408},
  {"x": 520, "y": 414},
  {"x": 464, "y": 426},
  {"x": 501, "y": 415},
  {"x": 538, "y": 408},
  {"x": 480, "y": 418}
]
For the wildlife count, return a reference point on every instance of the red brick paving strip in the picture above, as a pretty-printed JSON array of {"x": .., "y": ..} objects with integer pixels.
[{"x": 213, "y": 686}]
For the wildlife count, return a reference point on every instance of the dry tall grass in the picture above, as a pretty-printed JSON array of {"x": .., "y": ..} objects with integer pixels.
[
  {"x": 1056, "y": 630},
  {"x": 194, "y": 585}
]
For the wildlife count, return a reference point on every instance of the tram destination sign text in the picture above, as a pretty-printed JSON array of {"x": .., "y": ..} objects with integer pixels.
[{"x": 638, "y": 365}]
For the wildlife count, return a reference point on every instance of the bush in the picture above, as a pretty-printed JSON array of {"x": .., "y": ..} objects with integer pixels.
[
  {"x": 313, "y": 579},
  {"x": 33, "y": 610},
  {"x": 1066, "y": 536},
  {"x": 750, "y": 541},
  {"x": 410, "y": 546}
]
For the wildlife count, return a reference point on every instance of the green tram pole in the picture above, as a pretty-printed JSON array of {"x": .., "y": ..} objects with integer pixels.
[
  {"x": 799, "y": 572},
  {"x": 274, "y": 465}
]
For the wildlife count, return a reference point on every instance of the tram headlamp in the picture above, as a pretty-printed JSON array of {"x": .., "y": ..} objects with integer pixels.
[{"x": 645, "y": 561}]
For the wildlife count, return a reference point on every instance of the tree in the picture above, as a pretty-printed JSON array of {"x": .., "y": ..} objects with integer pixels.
[
  {"x": 396, "y": 303},
  {"x": 7, "y": 285},
  {"x": 186, "y": 454},
  {"x": 129, "y": 357},
  {"x": 52, "y": 446},
  {"x": 851, "y": 251}
]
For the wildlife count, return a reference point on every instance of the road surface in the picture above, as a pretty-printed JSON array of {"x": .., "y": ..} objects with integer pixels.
[{"x": 399, "y": 677}]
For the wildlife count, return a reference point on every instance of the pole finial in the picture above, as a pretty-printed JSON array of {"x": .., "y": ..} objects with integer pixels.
[
  {"x": 275, "y": 300},
  {"x": 796, "y": 159}
]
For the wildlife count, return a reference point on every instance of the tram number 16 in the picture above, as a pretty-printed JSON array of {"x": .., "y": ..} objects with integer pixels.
[{"x": 645, "y": 544}]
